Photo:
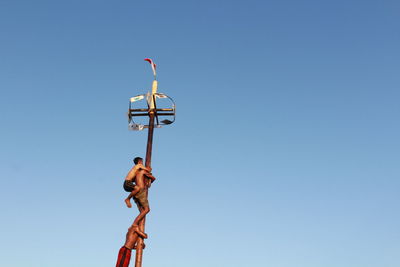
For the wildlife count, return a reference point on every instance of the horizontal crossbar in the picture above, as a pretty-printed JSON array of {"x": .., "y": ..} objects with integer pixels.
[
  {"x": 145, "y": 109},
  {"x": 147, "y": 114}
]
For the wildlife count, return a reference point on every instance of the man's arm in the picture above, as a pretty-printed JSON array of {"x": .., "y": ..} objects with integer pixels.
[
  {"x": 150, "y": 176},
  {"x": 142, "y": 167},
  {"x": 149, "y": 179}
]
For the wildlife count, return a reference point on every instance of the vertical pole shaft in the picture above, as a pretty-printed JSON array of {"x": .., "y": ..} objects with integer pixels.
[
  {"x": 150, "y": 139},
  {"x": 139, "y": 247}
]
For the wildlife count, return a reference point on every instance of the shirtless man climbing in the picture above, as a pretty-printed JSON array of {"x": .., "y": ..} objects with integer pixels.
[
  {"x": 137, "y": 181},
  {"x": 140, "y": 175},
  {"x": 131, "y": 184}
]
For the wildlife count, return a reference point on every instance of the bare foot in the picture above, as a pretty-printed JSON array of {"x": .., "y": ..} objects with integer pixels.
[
  {"x": 140, "y": 233},
  {"x": 128, "y": 203}
]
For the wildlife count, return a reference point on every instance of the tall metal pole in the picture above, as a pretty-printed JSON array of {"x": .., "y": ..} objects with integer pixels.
[
  {"x": 150, "y": 139},
  {"x": 140, "y": 243},
  {"x": 133, "y": 240}
]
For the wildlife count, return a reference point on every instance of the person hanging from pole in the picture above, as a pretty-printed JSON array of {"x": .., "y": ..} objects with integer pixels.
[
  {"x": 141, "y": 200},
  {"x": 137, "y": 184},
  {"x": 129, "y": 185},
  {"x": 140, "y": 175}
]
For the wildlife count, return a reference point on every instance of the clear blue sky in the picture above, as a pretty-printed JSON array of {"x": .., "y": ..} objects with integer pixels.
[{"x": 285, "y": 152}]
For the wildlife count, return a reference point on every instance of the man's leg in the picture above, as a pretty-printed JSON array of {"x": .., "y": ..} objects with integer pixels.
[
  {"x": 142, "y": 214},
  {"x": 143, "y": 206},
  {"x": 135, "y": 225},
  {"x": 132, "y": 194}
]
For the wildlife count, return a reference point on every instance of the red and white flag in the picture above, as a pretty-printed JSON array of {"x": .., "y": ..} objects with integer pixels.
[{"x": 153, "y": 65}]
